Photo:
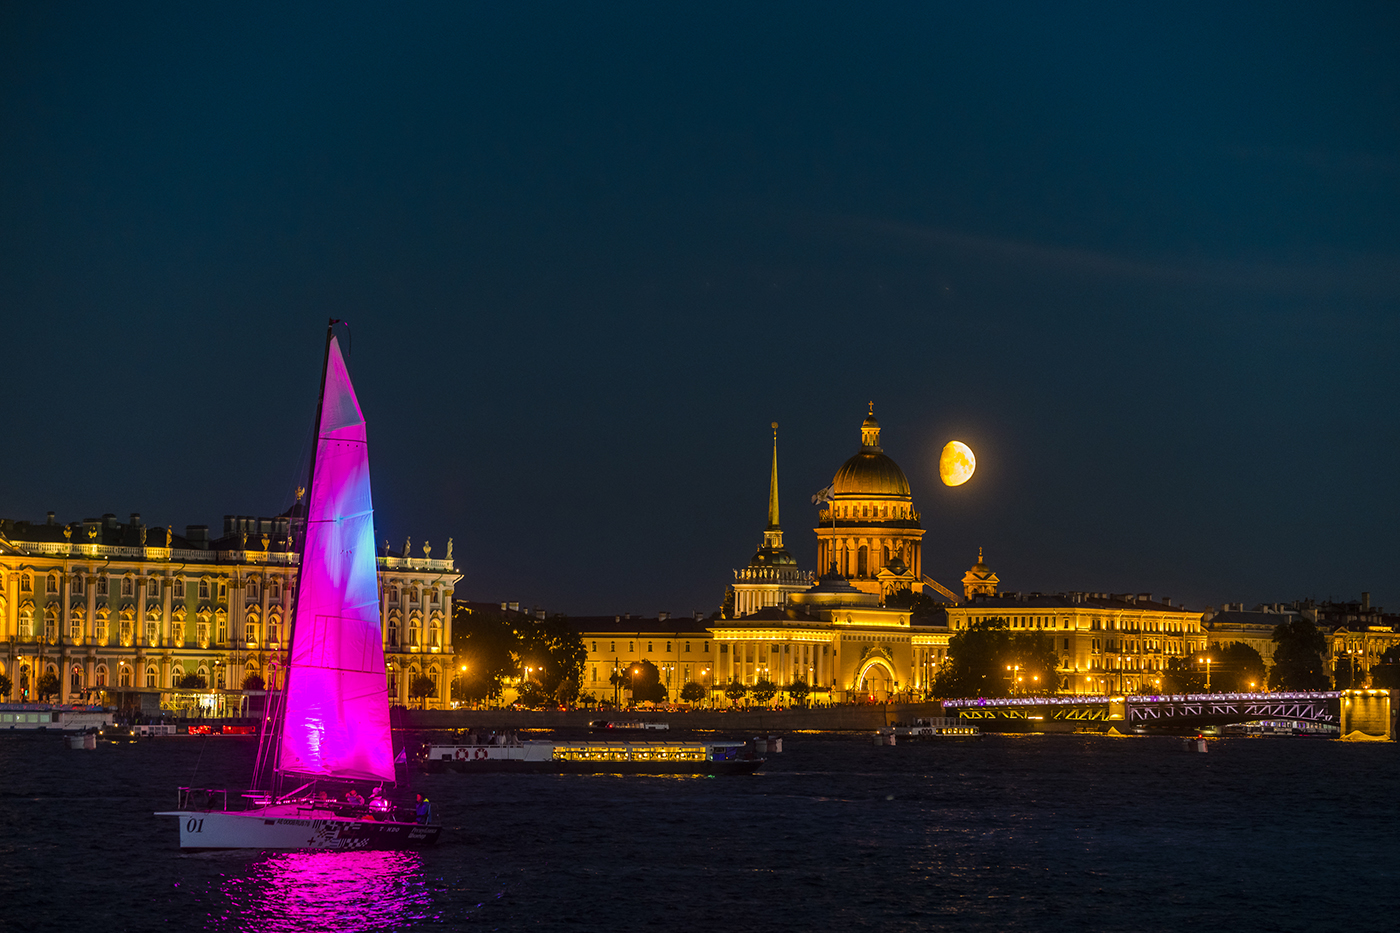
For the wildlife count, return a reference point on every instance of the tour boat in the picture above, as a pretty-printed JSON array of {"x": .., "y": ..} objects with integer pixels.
[
  {"x": 589, "y": 756},
  {"x": 627, "y": 725},
  {"x": 932, "y": 728},
  {"x": 329, "y": 738}
]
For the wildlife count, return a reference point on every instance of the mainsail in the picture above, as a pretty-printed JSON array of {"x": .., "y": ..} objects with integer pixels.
[{"x": 336, "y": 716}]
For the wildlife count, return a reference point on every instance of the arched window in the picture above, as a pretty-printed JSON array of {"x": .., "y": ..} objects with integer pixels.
[
  {"x": 51, "y": 625},
  {"x": 413, "y": 596},
  {"x": 126, "y": 631},
  {"x": 51, "y": 586},
  {"x": 100, "y": 676},
  {"x": 75, "y": 679},
  {"x": 203, "y": 589},
  {"x": 862, "y": 559},
  {"x": 26, "y": 623},
  {"x": 151, "y": 675},
  {"x": 393, "y": 633},
  {"x": 252, "y": 587},
  {"x": 414, "y": 633},
  {"x": 128, "y": 586},
  {"x": 26, "y": 583},
  {"x": 77, "y": 586},
  {"x": 274, "y": 589},
  {"x": 434, "y": 634},
  {"x": 75, "y": 626},
  {"x": 124, "y": 677},
  {"x": 393, "y": 595}
]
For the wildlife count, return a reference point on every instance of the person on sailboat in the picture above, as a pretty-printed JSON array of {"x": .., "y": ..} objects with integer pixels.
[
  {"x": 424, "y": 812},
  {"x": 353, "y": 798}
]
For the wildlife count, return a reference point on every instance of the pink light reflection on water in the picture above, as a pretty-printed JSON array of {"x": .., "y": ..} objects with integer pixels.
[{"x": 332, "y": 891}]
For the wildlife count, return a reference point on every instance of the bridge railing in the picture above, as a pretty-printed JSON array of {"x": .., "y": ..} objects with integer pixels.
[{"x": 1083, "y": 698}]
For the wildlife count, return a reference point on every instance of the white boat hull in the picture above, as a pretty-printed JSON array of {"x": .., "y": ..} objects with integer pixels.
[{"x": 279, "y": 828}]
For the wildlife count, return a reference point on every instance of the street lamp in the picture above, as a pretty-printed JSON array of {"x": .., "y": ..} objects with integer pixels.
[{"x": 1207, "y": 661}]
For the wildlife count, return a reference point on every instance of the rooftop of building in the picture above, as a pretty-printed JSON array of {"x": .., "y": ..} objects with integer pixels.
[{"x": 1142, "y": 602}]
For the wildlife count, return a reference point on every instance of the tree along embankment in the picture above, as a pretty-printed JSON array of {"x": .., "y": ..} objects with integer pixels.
[{"x": 827, "y": 718}]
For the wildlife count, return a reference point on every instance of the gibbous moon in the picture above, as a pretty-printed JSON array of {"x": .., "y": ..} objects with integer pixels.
[{"x": 957, "y": 464}]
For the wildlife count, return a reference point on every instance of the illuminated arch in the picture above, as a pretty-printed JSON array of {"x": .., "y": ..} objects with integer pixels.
[{"x": 870, "y": 663}]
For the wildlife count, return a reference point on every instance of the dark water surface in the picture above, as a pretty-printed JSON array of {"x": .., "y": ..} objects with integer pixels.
[{"x": 1006, "y": 833}]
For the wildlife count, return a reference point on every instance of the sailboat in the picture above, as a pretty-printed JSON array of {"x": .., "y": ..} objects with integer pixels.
[{"x": 328, "y": 754}]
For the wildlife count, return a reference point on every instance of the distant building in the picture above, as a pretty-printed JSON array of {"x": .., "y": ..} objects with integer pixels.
[
  {"x": 682, "y": 648},
  {"x": 1106, "y": 642},
  {"x": 1355, "y": 630},
  {"x": 121, "y": 610}
]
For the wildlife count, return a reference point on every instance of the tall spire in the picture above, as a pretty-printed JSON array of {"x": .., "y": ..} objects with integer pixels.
[{"x": 773, "y": 535}]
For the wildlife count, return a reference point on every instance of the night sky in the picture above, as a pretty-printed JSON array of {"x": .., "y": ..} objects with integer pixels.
[{"x": 1145, "y": 262}]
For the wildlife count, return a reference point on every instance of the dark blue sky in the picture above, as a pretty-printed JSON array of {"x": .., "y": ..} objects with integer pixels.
[{"x": 1146, "y": 262}]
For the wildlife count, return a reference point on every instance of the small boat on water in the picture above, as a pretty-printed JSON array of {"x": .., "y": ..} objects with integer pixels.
[
  {"x": 329, "y": 737},
  {"x": 627, "y": 725},
  {"x": 933, "y": 728},
  {"x": 507, "y": 754},
  {"x": 36, "y": 717}
]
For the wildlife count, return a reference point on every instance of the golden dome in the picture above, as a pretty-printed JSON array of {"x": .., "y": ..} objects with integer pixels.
[{"x": 870, "y": 472}]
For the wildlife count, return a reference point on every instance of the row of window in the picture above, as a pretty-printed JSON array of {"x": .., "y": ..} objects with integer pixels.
[
  {"x": 127, "y": 587},
  {"x": 632, "y": 646},
  {"x": 865, "y": 510},
  {"x": 251, "y": 586}
]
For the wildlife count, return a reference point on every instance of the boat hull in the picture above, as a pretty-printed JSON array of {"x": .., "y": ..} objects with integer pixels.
[{"x": 268, "y": 829}]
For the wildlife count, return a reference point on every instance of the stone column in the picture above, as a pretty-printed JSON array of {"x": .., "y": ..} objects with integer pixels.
[
  {"x": 90, "y": 587},
  {"x": 167, "y": 604},
  {"x": 11, "y": 622},
  {"x": 447, "y": 620},
  {"x": 138, "y": 637},
  {"x": 65, "y": 618}
]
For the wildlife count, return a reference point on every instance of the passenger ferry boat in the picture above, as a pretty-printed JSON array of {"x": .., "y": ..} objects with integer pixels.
[
  {"x": 934, "y": 728},
  {"x": 34, "y": 717},
  {"x": 590, "y": 756}
]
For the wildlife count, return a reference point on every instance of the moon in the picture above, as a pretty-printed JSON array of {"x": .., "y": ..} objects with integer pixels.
[{"x": 957, "y": 464}]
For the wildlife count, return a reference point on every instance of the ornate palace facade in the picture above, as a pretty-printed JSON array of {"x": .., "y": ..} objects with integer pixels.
[{"x": 116, "y": 610}]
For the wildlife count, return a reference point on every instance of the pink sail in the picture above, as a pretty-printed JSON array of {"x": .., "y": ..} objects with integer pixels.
[{"x": 336, "y": 722}]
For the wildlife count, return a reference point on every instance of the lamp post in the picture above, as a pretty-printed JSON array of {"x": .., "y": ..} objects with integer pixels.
[
  {"x": 1014, "y": 677},
  {"x": 636, "y": 669},
  {"x": 1207, "y": 661}
]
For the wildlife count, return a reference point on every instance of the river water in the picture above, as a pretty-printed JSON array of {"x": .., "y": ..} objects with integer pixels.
[{"x": 1039, "y": 833}]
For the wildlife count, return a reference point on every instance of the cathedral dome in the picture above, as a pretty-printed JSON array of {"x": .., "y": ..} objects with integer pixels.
[{"x": 870, "y": 472}]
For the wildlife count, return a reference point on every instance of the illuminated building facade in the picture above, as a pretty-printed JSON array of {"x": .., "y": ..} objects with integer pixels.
[
  {"x": 682, "y": 649},
  {"x": 116, "y": 610},
  {"x": 869, "y": 533},
  {"x": 1355, "y": 631},
  {"x": 838, "y": 636},
  {"x": 1106, "y": 643}
]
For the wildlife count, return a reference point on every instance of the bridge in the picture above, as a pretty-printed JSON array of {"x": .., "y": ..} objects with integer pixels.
[{"x": 1365, "y": 711}]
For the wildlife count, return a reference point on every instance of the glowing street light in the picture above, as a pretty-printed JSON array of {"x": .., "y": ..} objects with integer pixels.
[{"x": 1207, "y": 660}]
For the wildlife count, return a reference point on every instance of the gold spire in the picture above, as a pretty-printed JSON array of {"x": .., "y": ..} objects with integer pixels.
[{"x": 773, "y": 535}]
